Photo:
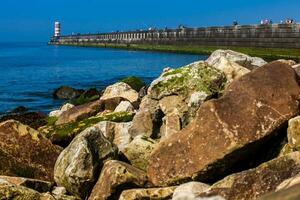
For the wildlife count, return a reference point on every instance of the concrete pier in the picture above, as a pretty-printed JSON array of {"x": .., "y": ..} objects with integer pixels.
[{"x": 269, "y": 36}]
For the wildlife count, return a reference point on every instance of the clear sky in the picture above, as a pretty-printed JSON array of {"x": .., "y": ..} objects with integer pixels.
[{"x": 32, "y": 20}]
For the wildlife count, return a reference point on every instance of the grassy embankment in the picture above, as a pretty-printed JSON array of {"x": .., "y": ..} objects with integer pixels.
[{"x": 266, "y": 53}]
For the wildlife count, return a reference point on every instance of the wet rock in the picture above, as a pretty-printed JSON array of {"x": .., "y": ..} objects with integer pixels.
[
  {"x": 189, "y": 191},
  {"x": 19, "y": 109},
  {"x": 254, "y": 183},
  {"x": 229, "y": 130},
  {"x": 25, "y": 152},
  {"x": 294, "y": 133},
  {"x": 124, "y": 106},
  {"x": 11, "y": 191},
  {"x": 32, "y": 119},
  {"x": 120, "y": 90},
  {"x": 236, "y": 57},
  {"x": 87, "y": 110},
  {"x": 77, "y": 166},
  {"x": 64, "y": 108},
  {"x": 67, "y": 93},
  {"x": 114, "y": 176},
  {"x": 37, "y": 185},
  {"x": 139, "y": 150},
  {"x": 149, "y": 193}
]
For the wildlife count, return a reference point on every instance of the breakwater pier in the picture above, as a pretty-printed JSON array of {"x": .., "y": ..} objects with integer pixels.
[{"x": 267, "y": 36}]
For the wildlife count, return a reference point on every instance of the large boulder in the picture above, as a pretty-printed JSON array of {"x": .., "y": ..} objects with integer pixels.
[
  {"x": 196, "y": 77},
  {"x": 149, "y": 193},
  {"x": 294, "y": 133},
  {"x": 148, "y": 119},
  {"x": 236, "y": 57},
  {"x": 139, "y": 150},
  {"x": 176, "y": 94},
  {"x": 124, "y": 106},
  {"x": 254, "y": 183},
  {"x": 34, "y": 120},
  {"x": 9, "y": 190},
  {"x": 78, "y": 165},
  {"x": 121, "y": 89},
  {"x": 189, "y": 191},
  {"x": 67, "y": 93},
  {"x": 25, "y": 152},
  {"x": 114, "y": 175},
  {"x": 87, "y": 110},
  {"x": 229, "y": 130}
]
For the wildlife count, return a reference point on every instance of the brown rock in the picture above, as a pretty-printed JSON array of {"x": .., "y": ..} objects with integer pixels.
[
  {"x": 294, "y": 133},
  {"x": 38, "y": 185},
  {"x": 87, "y": 110},
  {"x": 291, "y": 193},
  {"x": 26, "y": 153},
  {"x": 250, "y": 111},
  {"x": 114, "y": 175},
  {"x": 254, "y": 183},
  {"x": 149, "y": 193}
]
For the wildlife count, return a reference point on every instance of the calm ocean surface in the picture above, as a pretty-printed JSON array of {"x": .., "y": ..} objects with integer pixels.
[{"x": 30, "y": 72}]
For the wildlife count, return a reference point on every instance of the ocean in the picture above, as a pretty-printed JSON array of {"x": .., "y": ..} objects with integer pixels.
[{"x": 30, "y": 72}]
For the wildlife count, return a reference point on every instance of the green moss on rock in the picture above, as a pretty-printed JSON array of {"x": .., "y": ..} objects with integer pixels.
[
  {"x": 134, "y": 82},
  {"x": 83, "y": 100},
  {"x": 196, "y": 78},
  {"x": 68, "y": 131}
]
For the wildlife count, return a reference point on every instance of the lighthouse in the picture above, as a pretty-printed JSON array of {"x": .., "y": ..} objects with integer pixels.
[{"x": 56, "y": 29}]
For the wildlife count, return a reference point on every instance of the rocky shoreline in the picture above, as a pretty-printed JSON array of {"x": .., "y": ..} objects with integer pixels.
[{"x": 222, "y": 129}]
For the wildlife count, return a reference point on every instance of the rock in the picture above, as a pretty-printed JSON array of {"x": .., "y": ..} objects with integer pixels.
[
  {"x": 134, "y": 82},
  {"x": 33, "y": 119},
  {"x": 297, "y": 69},
  {"x": 19, "y": 109},
  {"x": 292, "y": 193},
  {"x": 236, "y": 57},
  {"x": 64, "y": 108},
  {"x": 150, "y": 193},
  {"x": 66, "y": 92},
  {"x": 58, "y": 192},
  {"x": 26, "y": 153},
  {"x": 197, "y": 98},
  {"x": 286, "y": 149},
  {"x": 12, "y": 191},
  {"x": 37, "y": 185},
  {"x": 77, "y": 166},
  {"x": 124, "y": 106},
  {"x": 87, "y": 110},
  {"x": 171, "y": 125},
  {"x": 114, "y": 175},
  {"x": 288, "y": 62},
  {"x": 63, "y": 134},
  {"x": 108, "y": 129},
  {"x": 218, "y": 138},
  {"x": 143, "y": 92},
  {"x": 231, "y": 69},
  {"x": 189, "y": 191},
  {"x": 294, "y": 133},
  {"x": 121, "y": 135},
  {"x": 86, "y": 97},
  {"x": 147, "y": 120},
  {"x": 139, "y": 150},
  {"x": 197, "y": 77},
  {"x": 295, "y": 180},
  {"x": 254, "y": 183},
  {"x": 120, "y": 90}
]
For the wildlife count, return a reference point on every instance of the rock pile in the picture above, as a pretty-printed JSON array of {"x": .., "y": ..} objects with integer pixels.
[{"x": 226, "y": 128}]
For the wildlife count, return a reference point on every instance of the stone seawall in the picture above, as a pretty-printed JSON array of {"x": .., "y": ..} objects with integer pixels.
[{"x": 269, "y": 36}]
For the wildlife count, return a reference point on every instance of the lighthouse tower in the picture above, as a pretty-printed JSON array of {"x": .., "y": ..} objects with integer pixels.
[{"x": 56, "y": 29}]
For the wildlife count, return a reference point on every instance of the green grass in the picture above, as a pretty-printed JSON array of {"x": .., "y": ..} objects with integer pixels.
[{"x": 266, "y": 53}]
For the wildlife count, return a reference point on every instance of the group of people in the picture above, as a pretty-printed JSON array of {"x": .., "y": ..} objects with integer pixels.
[{"x": 269, "y": 22}]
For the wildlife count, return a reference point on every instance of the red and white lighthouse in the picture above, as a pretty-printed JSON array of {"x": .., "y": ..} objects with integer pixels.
[{"x": 56, "y": 29}]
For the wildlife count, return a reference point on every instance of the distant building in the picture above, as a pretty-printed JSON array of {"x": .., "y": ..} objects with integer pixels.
[{"x": 56, "y": 29}]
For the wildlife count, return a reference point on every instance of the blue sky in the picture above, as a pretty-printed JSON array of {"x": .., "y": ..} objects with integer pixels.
[{"x": 32, "y": 20}]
